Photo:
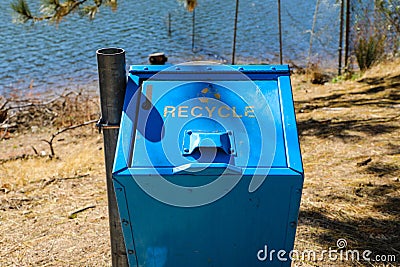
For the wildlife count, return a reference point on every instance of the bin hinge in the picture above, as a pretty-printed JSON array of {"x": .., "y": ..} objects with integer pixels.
[{"x": 103, "y": 125}]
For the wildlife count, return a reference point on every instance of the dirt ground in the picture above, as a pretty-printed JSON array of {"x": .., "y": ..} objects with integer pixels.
[{"x": 53, "y": 208}]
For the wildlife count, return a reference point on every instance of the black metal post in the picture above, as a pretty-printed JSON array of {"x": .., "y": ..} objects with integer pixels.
[
  {"x": 340, "y": 38},
  {"x": 347, "y": 36},
  {"x": 112, "y": 83},
  {"x": 234, "y": 32},
  {"x": 280, "y": 32},
  {"x": 193, "y": 27},
  {"x": 169, "y": 24}
]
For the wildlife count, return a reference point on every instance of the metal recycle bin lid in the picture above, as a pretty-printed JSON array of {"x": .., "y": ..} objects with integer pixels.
[{"x": 208, "y": 170}]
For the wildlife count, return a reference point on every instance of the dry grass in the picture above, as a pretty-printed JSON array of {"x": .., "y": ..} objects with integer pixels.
[
  {"x": 350, "y": 141},
  {"x": 38, "y": 196},
  {"x": 349, "y": 133}
]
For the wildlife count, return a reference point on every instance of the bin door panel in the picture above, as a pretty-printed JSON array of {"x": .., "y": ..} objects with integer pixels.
[{"x": 241, "y": 223}]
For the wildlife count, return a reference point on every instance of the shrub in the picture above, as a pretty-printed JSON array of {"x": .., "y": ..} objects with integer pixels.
[{"x": 369, "y": 50}]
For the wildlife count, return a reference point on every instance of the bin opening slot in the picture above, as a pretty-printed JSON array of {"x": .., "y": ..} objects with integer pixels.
[{"x": 222, "y": 141}]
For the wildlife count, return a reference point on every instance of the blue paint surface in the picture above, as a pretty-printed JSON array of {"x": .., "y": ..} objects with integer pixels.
[{"x": 156, "y": 256}]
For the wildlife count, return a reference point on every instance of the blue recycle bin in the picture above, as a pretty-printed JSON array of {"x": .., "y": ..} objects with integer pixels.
[{"x": 208, "y": 168}]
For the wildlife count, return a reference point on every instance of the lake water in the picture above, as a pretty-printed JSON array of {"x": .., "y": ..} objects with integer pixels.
[{"x": 44, "y": 58}]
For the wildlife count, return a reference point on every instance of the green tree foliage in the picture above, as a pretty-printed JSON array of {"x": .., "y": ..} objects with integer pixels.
[
  {"x": 376, "y": 31},
  {"x": 56, "y": 10},
  {"x": 390, "y": 9},
  {"x": 189, "y": 4},
  {"x": 390, "y": 13}
]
